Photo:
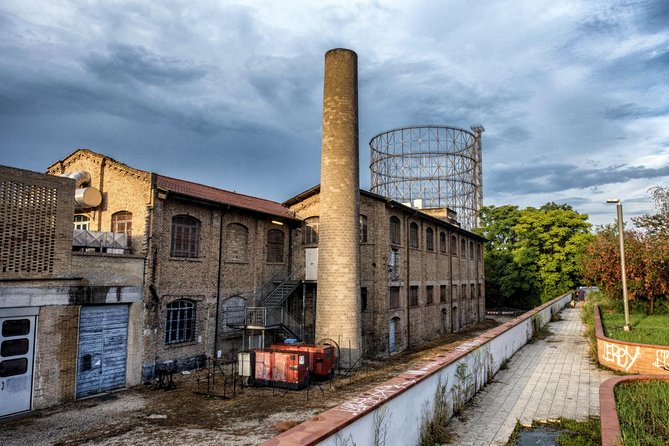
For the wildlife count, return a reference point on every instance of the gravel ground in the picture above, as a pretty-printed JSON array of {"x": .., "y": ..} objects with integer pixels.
[{"x": 150, "y": 416}]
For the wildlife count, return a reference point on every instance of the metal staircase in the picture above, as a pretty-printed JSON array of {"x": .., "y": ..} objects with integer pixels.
[{"x": 268, "y": 312}]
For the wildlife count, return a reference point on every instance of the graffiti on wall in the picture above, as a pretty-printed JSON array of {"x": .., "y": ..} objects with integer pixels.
[
  {"x": 621, "y": 355},
  {"x": 371, "y": 398},
  {"x": 662, "y": 359}
]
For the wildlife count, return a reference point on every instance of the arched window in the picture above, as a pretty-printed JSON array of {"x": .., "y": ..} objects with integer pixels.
[
  {"x": 429, "y": 239},
  {"x": 82, "y": 222},
  {"x": 185, "y": 237},
  {"x": 395, "y": 230},
  {"x": 454, "y": 245},
  {"x": 442, "y": 242},
  {"x": 275, "y": 242},
  {"x": 463, "y": 248},
  {"x": 363, "y": 228},
  {"x": 413, "y": 235},
  {"x": 122, "y": 222},
  {"x": 471, "y": 250},
  {"x": 180, "y": 323},
  {"x": 311, "y": 231},
  {"x": 236, "y": 243}
]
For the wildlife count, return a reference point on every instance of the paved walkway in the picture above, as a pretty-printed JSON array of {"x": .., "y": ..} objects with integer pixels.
[{"x": 545, "y": 380}]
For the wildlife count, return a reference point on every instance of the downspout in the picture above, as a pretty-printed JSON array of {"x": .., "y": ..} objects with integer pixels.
[
  {"x": 450, "y": 256},
  {"x": 103, "y": 165},
  {"x": 218, "y": 283},
  {"x": 406, "y": 233}
]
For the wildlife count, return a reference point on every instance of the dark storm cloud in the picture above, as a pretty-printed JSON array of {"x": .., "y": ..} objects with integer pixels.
[
  {"x": 654, "y": 15},
  {"x": 629, "y": 111},
  {"x": 544, "y": 178},
  {"x": 124, "y": 63}
]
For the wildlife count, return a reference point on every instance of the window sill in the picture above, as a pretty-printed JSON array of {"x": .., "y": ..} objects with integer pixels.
[
  {"x": 181, "y": 344},
  {"x": 186, "y": 259}
]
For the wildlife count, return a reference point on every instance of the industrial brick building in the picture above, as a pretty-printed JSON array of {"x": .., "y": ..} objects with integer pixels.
[
  {"x": 171, "y": 272},
  {"x": 207, "y": 252},
  {"x": 421, "y": 275}
]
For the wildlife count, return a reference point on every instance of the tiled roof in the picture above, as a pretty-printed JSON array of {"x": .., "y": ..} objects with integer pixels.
[{"x": 221, "y": 196}]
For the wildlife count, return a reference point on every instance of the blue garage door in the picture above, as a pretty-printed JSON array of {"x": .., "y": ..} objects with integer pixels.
[{"x": 103, "y": 348}]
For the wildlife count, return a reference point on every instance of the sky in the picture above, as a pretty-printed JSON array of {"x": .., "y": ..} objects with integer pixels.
[{"x": 574, "y": 95}]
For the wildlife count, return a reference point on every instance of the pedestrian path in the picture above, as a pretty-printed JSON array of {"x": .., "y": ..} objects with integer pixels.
[{"x": 545, "y": 380}]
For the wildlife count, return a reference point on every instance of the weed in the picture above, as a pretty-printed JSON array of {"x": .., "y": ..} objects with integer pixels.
[
  {"x": 434, "y": 429},
  {"x": 642, "y": 410},
  {"x": 381, "y": 424}
]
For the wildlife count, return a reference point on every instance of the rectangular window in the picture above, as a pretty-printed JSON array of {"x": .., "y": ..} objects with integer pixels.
[
  {"x": 442, "y": 293},
  {"x": 394, "y": 301},
  {"x": 363, "y": 298},
  {"x": 472, "y": 291},
  {"x": 429, "y": 294},
  {"x": 413, "y": 296},
  {"x": 464, "y": 292},
  {"x": 413, "y": 236},
  {"x": 180, "y": 323},
  {"x": 454, "y": 292},
  {"x": 394, "y": 265},
  {"x": 363, "y": 228}
]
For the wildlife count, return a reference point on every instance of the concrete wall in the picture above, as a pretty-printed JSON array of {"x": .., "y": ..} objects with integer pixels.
[
  {"x": 630, "y": 357},
  {"x": 402, "y": 400}
]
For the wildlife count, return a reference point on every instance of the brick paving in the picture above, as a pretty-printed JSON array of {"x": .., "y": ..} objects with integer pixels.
[{"x": 547, "y": 379}]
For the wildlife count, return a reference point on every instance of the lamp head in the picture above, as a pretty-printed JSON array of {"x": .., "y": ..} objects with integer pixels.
[{"x": 613, "y": 200}]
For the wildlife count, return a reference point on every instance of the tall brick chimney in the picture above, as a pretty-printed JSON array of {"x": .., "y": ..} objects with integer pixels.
[{"x": 338, "y": 301}]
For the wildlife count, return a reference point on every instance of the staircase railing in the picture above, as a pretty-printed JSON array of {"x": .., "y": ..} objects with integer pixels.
[
  {"x": 264, "y": 317},
  {"x": 293, "y": 274}
]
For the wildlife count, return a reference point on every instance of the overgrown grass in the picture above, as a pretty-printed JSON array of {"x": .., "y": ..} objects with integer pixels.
[
  {"x": 572, "y": 432},
  {"x": 642, "y": 410},
  {"x": 645, "y": 329},
  {"x": 653, "y": 329}
]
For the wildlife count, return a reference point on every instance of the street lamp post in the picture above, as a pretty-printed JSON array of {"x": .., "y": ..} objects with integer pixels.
[{"x": 619, "y": 208}]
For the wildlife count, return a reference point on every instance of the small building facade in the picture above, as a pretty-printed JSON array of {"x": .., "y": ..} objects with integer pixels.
[{"x": 70, "y": 322}]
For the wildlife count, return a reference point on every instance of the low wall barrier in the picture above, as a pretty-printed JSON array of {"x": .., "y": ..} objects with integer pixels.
[
  {"x": 396, "y": 408},
  {"x": 611, "y": 433},
  {"x": 630, "y": 357}
]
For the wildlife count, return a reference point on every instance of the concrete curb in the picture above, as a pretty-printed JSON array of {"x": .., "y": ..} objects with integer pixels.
[{"x": 611, "y": 434}]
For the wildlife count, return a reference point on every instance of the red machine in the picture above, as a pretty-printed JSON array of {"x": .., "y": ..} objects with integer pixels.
[
  {"x": 286, "y": 365},
  {"x": 321, "y": 358}
]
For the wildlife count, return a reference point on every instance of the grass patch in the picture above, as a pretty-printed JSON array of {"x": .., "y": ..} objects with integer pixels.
[
  {"x": 642, "y": 410},
  {"x": 653, "y": 329},
  {"x": 571, "y": 432}
]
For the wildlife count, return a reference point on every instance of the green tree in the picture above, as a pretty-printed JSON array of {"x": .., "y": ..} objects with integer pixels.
[{"x": 532, "y": 255}]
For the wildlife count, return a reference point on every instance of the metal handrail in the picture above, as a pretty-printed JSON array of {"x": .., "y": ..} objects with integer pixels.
[{"x": 290, "y": 276}]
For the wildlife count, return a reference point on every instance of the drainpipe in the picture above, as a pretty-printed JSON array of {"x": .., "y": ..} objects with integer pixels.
[
  {"x": 450, "y": 256},
  {"x": 406, "y": 233},
  {"x": 218, "y": 282}
]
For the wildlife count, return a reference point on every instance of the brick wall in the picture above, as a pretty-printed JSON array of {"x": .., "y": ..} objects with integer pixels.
[
  {"x": 29, "y": 246},
  {"x": 426, "y": 268},
  {"x": 55, "y": 366}
]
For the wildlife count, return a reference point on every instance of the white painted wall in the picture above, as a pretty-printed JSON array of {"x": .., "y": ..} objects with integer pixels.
[{"x": 404, "y": 412}]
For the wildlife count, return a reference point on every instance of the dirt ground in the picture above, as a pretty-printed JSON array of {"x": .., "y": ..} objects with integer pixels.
[{"x": 149, "y": 415}]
